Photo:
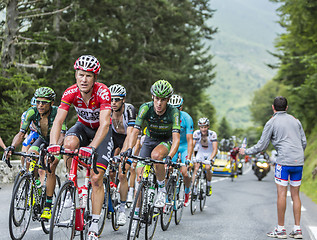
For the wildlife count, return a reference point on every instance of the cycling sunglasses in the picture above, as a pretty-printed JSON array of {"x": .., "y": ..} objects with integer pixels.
[
  {"x": 116, "y": 99},
  {"x": 43, "y": 102}
]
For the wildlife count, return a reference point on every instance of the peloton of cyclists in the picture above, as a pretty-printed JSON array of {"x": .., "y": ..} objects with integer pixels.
[
  {"x": 186, "y": 146},
  {"x": 123, "y": 120},
  {"x": 92, "y": 101},
  {"x": 206, "y": 147}
]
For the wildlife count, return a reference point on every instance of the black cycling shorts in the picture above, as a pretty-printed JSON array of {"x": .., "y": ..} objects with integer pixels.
[{"x": 86, "y": 135}]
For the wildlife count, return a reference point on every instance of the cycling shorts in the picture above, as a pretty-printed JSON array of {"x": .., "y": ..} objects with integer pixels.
[
  {"x": 291, "y": 173},
  {"x": 182, "y": 152},
  {"x": 86, "y": 135},
  {"x": 203, "y": 155},
  {"x": 149, "y": 144},
  {"x": 118, "y": 139},
  {"x": 30, "y": 138}
]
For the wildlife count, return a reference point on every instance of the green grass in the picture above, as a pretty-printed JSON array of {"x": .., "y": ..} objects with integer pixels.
[{"x": 309, "y": 186}]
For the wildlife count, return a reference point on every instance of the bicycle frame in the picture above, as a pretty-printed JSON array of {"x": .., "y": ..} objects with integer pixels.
[{"x": 79, "y": 218}]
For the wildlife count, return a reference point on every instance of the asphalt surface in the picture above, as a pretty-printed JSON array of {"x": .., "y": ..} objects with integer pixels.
[{"x": 242, "y": 209}]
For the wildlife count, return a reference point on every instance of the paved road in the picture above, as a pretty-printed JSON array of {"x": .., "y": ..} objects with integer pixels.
[{"x": 243, "y": 209}]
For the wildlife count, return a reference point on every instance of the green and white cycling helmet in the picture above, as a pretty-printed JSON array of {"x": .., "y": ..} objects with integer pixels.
[
  {"x": 117, "y": 90},
  {"x": 176, "y": 101},
  {"x": 45, "y": 92},
  {"x": 162, "y": 89},
  {"x": 203, "y": 122}
]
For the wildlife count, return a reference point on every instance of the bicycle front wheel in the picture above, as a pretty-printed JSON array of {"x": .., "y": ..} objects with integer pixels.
[
  {"x": 153, "y": 215},
  {"x": 194, "y": 199},
  {"x": 135, "y": 225},
  {"x": 21, "y": 207},
  {"x": 46, "y": 224},
  {"x": 202, "y": 195},
  {"x": 167, "y": 211},
  {"x": 62, "y": 225},
  {"x": 179, "y": 201}
]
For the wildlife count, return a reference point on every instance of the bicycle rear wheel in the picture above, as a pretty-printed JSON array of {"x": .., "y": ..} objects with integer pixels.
[
  {"x": 179, "y": 201},
  {"x": 194, "y": 193},
  {"x": 135, "y": 224},
  {"x": 46, "y": 224},
  {"x": 21, "y": 207},
  {"x": 168, "y": 209},
  {"x": 62, "y": 224}
]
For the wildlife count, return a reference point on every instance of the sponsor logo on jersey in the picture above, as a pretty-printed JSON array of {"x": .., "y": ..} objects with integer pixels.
[
  {"x": 88, "y": 115},
  {"x": 70, "y": 91},
  {"x": 103, "y": 93}
]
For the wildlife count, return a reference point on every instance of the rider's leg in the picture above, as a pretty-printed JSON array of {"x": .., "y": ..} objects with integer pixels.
[
  {"x": 185, "y": 176},
  {"x": 208, "y": 171},
  {"x": 123, "y": 187},
  {"x": 97, "y": 197},
  {"x": 158, "y": 153}
]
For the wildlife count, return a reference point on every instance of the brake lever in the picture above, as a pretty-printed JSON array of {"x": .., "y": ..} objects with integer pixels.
[{"x": 7, "y": 161}]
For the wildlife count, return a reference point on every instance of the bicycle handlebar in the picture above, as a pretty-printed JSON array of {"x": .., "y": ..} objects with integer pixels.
[
  {"x": 90, "y": 161},
  {"x": 147, "y": 159}
]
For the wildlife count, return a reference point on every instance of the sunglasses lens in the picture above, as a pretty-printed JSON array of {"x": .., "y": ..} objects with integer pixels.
[
  {"x": 116, "y": 99},
  {"x": 41, "y": 102}
]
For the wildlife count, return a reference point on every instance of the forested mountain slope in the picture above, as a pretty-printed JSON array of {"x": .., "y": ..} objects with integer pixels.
[{"x": 246, "y": 32}]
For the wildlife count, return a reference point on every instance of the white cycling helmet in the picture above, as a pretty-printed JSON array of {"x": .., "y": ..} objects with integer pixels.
[
  {"x": 87, "y": 63},
  {"x": 176, "y": 101},
  {"x": 203, "y": 122},
  {"x": 117, "y": 90}
]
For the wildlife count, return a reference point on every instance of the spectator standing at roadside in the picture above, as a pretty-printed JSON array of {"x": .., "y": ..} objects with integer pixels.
[{"x": 287, "y": 136}]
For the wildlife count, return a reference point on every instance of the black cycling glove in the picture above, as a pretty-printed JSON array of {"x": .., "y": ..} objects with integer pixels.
[
  {"x": 127, "y": 153},
  {"x": 168, "y": 160}
]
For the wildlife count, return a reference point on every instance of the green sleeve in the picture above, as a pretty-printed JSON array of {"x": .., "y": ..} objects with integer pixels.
[
  {"x": 176, "y": 119},
  {"x": 141, "y": 115},
  {"x": 28, "y": 119}
]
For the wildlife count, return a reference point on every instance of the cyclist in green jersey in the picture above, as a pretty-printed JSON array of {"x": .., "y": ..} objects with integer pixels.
[
  {"x": 162, "y": 138},
  {"x": 42, "y": 115}
]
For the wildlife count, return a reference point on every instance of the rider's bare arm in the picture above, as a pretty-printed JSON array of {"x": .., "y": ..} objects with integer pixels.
[
  {"x": 133, "y": 138},
  {"x": 175, "y": 144},
  {"x": 2, "y": 143},
  {"x": 57, "y": 126},
  {"x": 18, "y": 139},
  {"x": 126, "y": 141},
  {"x": 104, "y": 123},
  {"x": 190, "y": 145}
]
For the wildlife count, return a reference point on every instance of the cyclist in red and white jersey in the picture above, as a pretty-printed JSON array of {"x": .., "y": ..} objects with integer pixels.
[
  {"x": 206, "y": 146},
  {"x": 91, "y": 133}
]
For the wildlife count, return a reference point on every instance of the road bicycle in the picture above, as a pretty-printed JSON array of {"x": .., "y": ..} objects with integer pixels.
[
  {"x": 70, "y": 216},
  {"x": 148, "y": 215},
  {"x": 175, "y": 196},
  {"x": 198, "y": 191},
  {"x": 28, "y": 199},
  {"x": 111, "y": 202}
]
